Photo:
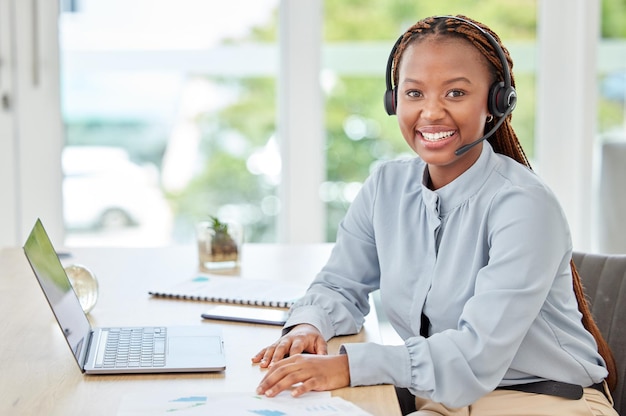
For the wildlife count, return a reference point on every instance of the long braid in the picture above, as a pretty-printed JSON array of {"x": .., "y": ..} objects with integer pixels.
[{"x": 504, "y": 141}]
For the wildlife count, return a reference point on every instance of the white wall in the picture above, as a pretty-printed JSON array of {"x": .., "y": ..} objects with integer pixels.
[
  {"x": 31, "y": 127},
  {"x": 8, "y": 137}
]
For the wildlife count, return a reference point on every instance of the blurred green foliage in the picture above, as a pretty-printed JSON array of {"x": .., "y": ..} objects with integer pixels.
[
  {"x": 613, "y": 15},
  {"x": 222, "y": 176}
]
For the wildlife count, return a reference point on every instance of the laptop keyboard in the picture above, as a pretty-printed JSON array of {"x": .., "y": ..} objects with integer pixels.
[{"x": 131, "y": 347}]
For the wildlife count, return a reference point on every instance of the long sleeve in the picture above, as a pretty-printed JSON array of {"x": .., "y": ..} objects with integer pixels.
[
  {"x": 486, "y": 258},
  {"x": 338, "y": 299}
]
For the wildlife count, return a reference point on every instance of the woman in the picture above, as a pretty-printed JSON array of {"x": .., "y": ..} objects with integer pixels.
[{"x": 470, "y": 249}]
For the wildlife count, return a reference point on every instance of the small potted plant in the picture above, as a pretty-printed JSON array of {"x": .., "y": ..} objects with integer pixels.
[{"x": 218, "y": 244}]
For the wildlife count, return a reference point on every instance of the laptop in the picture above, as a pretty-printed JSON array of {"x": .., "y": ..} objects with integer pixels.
[{"x": 117, "y": 350}]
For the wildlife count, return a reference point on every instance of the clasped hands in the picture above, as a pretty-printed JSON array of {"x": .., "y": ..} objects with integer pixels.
[{"x": 288, "y": 366}]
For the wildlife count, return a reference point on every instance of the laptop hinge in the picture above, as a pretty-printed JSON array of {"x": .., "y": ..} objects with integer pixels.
[{"x": 86, "y": 349}]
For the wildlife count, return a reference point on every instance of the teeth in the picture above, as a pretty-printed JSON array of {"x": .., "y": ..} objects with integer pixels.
[{"x": 433, "y": 137}]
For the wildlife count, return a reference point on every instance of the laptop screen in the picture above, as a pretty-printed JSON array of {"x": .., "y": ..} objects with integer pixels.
[{"x": 58, "y": 290}]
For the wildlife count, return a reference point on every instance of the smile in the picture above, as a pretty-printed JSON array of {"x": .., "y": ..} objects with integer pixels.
[{"x": 434, "y": 137}]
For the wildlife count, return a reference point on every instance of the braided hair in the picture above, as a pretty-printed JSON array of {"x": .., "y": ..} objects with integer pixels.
[{"x": 504, "y": 140}]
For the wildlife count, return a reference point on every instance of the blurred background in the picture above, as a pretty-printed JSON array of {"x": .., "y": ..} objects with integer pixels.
[{"x": 171, "y": 112}]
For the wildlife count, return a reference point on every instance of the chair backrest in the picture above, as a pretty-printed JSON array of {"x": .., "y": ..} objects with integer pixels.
[{"x": 604, "y": 280}]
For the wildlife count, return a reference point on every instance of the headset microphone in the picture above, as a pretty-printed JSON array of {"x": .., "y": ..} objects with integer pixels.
[{"x": 467, "y": 147}]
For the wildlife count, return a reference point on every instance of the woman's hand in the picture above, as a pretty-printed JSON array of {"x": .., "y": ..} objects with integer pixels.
[
  {"x": 302, "y": 338},
  {"x": 314, "y": 372}
]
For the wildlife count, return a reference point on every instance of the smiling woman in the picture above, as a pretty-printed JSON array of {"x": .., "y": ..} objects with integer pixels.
[
  {"x": 442, "y": 103},
  {"x": 492, "y": 312}
]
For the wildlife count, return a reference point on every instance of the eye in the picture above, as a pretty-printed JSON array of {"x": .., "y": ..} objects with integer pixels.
[
  {"x": 455, "y": 93},
  {"x": 413, "y": 93}
]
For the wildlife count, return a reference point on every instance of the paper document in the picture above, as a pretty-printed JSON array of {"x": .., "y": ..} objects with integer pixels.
[{"x": 238, "y": 404}]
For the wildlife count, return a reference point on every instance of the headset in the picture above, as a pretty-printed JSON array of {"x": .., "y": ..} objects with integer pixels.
[{"x": 502, "y": 96}]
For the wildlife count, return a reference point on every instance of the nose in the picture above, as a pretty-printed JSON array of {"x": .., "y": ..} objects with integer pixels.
[{"x": 432, "y": 109}]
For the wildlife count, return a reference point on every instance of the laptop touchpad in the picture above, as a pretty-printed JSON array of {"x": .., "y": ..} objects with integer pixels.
[{"x": 194, "y": 345}]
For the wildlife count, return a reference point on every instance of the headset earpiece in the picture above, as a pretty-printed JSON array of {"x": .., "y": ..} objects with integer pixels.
[
  {"x": 390, "y": 98},
  {"x": 501, "y": 100},
  {"x": 502, "y": 95}
]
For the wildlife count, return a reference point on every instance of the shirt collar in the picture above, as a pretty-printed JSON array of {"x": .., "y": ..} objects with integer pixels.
[{"x": 462, "y": 188}]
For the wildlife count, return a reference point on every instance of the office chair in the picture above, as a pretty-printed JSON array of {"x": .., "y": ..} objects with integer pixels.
[{"x": 604, "y": 280}]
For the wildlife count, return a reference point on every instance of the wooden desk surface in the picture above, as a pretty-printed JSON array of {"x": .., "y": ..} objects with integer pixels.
[{"x": 39, "y": 376}]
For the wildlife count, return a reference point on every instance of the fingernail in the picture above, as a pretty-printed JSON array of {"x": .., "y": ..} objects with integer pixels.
[{"x": 269, "y": 392}]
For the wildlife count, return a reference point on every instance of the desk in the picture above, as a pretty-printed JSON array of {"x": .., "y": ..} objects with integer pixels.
[{"x": 39, "y": 376}]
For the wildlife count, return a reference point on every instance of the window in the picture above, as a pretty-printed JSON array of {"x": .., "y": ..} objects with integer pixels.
[{"x": 169, "y": 113}]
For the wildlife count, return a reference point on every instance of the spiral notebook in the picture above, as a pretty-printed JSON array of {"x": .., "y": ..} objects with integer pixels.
[{"x": 235, "y": 290}]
